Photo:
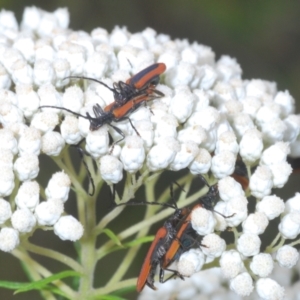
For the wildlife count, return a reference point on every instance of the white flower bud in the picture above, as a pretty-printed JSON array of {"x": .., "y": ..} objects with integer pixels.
[
  {"x": 96, "y": 65},
  {"x": 222, "y": 164},
  {"x": 43, "y": 72},
  {"x": 30, "y": 141},
  {"x": 48, "y": 212},
  {"x": 47, "y": 24},
  {"x": 189, "y": 55},
  {"x": 8, "y": 141},
  {"x": 274, "y": 130},
  {"x": 286, "y": 102},
  {"x": 6, "y": 158},
  {"x": 145, "y": 129},
  {"x": 214, "y": 246},
  {"x": 8, "y": 20},
  {"x": 242, "y": 123},
  {"x": 228, "y": 68},
  {"x": 73, "y": 98},
  {"x": 5, "y": 79},
  {"x": 229, "y": 188},
  {"x": 44, "y": 121},
  {"x": 289, "y": 226},
  {"x": 49, "y": 96},
  {"x": 242, "y": 284},
  {"x": 28, "y": 195},
  {"x": 62, "y": 70},
  {"x": 202, "y": 162},
  {"x": 293, "y": 204},
  {"x": 287, "y": 256},
  {"x": 275, "y": 154},
  {"x": 21, "y": 72},
  {"x": 162, "y": 154},
  {"x": 165, "y": 127},
  {"x": 190, "y": 262},
  {"x": 194, "y": 133},
  {"x": 203, "y": 221},
  {"x": 262, "y": 264},
  {"x": 7, "y": 181},
  {"x": 9, "y": 239},
  {"x": 119, "y": 37},
  {"x": 99, "y": 35},
  {"x": 267, "y": 113},
  {"x": 111, "y": 169},
  {"x": 281, "y": 172},
  {"x": 43, "y": 50},
  {"x": 58, "y": 186},
  {"x": 272, "y": 206},
  {"x": 208, "y": 118},
  {"x": 181, "y": 74},
  {"x": 231, "y": 264},
  {"x": 261, "y": 182},
  {"x": 23, "y": 220},
  {"x": 251, "y": 146},
  {"x": 27, "y": 166},
  {"x": 5, "y": 211},
  {"x": 251, "y": 105},
  {"x": 208, "y": 76},
  {"x": 269, "y": 289},
  {"x": 10, "y": 114},
  {"x": 133, "y": 154},
  {"x": 227, "y": 142},
  {"x": 52, "y": 143},
  {"x": 63, "y": 17},
  {"x": 31, "y": 18},
  {"x": 255, "y": 223},
  {"x": 70, "y": 131},
  {"x": 248, "y": 244},
  {"x": 292, "y": 123},
  {"x": 235, "y": 210},
  {"x": 202, "y": 100},
  {"x": 185, "y": 156},
  {"x": 182, "y": 103},
  {"x": 9, "y": 57},
  {"x": 75, "y": 54},
  {"x": 68, "y": 228},
  {"x": 231, "y": 107},
  {"x": 97, "y": 142}
]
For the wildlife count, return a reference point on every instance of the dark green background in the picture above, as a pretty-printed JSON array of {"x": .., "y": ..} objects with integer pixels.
[{"x": 264, "y": 36}]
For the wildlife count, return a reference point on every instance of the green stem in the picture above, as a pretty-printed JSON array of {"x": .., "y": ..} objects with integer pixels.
[
  {"x": 109, "y": 289},
  {"x": 53, "y": 254},
  {"x": 38, "y": 272}
]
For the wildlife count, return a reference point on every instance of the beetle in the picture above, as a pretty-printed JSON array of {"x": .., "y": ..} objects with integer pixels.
[
  {"x": 141, "y": 84},
  {"x": 162, "y": 240},
  {"x": 186, "y": 236},
  {"x": 107, "y": 117}
]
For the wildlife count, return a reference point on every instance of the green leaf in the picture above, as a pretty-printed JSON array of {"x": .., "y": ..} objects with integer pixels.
[
  {"x": 44, "y": 283},
  {"x": 112, "y": 236}
]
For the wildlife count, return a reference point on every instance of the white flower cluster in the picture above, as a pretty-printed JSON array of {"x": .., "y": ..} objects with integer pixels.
[{"x": 208, "y": 117}]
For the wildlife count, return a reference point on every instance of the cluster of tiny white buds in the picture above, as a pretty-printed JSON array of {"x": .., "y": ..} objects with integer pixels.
[{"x": 208, "y": 118}]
